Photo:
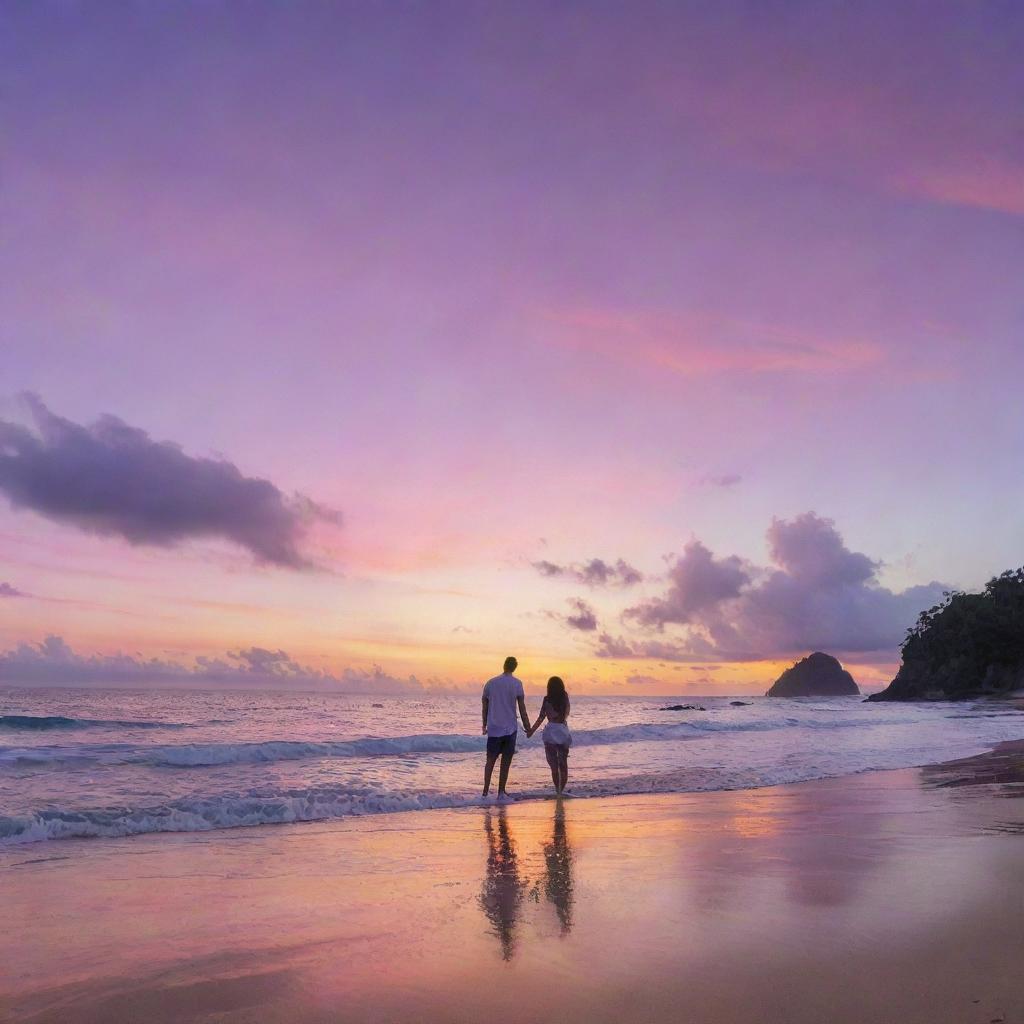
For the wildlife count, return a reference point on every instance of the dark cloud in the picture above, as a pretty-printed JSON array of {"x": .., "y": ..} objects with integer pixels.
[
  {"x": 114, "y": 480},
  {"x": 627, "y": 575},
  {"x": 723, "y": 480},
  {"x": 698, "y": 582},
  {"x": 810, "y": 549},
  {"x": 642, "y": 680},
  {"x": 598, "y": 573},
  {"x": 546, "y": 568},
  {"x": 54, "y": 662},
  {"x": 6, "y": 590},
  {"x": 817, "y": 595},
  {"x": 595, "y": 573},
  {"x": 620, "y": 647},
  {"x": 582, "y": 617},
  {"x": 609, "y": 646}
]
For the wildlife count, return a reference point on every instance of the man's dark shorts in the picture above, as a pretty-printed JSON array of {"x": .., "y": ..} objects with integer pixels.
[{"x": 504, "y": 746}]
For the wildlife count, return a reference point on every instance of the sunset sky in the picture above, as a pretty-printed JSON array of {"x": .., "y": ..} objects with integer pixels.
[{"x": 657, "y": 344}]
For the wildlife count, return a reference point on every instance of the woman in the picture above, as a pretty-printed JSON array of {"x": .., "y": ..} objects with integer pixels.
[{"x": 556, "y": 735}]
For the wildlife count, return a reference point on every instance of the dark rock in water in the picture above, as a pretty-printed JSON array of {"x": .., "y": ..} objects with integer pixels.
[
  {"x": 376, "y": 705},
  {"x": 966, "y": 647},
  {"x": 682, "y": 707},
  {"x": 740, "y": 703},
  {"x": 817, "y": 675}
]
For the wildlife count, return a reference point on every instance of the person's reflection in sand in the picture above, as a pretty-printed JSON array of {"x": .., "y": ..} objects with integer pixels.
[
  {"x": 558, "y": 880},
  {"x": 504, "y": 887}
]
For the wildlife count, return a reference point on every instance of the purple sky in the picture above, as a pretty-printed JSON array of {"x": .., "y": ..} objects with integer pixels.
[{"x": 430, "y": 293}]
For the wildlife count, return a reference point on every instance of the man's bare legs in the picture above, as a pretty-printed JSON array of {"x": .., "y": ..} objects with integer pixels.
[
  {"x": 506, "y": 763},
  {"x": 488, "y": 771}
]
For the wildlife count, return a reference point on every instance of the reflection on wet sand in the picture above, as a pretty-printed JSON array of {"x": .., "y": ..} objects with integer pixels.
[
  {"x": 558, "y": 869},
  {"x": 714, "y": 907},
  {"x": 819, "y": 844},
  {"x": 504, "y": 886},
  {"x": 506, "y": 881}
]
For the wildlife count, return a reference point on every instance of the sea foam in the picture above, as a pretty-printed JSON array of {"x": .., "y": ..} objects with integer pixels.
[{"x": 74, "y": 765}]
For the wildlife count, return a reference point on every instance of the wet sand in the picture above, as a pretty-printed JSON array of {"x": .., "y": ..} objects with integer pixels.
[{"x": 887, "y": 897}]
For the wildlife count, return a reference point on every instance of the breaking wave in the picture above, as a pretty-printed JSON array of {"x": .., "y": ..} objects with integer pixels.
[
  {"x": 195, "y": 755},
  {"x": 37, "y": 723},
  {"x": 208, "y": 755},
  {"x": 262, "y": 807},
  {"x": 263, "y": 766}
]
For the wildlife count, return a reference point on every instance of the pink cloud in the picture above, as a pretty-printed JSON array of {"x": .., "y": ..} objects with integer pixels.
[
  {"x": 835, "y": 99},
  {"x": 817, "y": 595},
  {"x": 696, "y": 344},
  {"x": 990, "y": 184}
]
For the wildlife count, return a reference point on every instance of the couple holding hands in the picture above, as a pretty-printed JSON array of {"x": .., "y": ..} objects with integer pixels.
[{"x": 501, "y": 696}]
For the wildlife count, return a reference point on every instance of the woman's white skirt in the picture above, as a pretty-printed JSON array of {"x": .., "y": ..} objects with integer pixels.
[{"x": 557, "y": 734}]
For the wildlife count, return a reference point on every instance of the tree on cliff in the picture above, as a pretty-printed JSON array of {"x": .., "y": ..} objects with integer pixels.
[{"x": 969, "y": 645}]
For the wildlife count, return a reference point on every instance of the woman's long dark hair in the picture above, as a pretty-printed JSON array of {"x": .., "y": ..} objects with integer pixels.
[{"x": 557, "y": 697}]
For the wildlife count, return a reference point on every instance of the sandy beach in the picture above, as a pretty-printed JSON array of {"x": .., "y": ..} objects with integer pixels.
[{"x": 889, "y": 896}]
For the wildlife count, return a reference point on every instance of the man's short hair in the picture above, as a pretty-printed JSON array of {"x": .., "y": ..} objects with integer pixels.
[{"x": 510, "y": 664}]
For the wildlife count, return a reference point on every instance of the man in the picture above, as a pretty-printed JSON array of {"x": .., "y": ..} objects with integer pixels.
[{"x": 501, "y": 694}]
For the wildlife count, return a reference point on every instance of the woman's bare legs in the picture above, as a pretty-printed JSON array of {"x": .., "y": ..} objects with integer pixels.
[
  {"x": 563, "y": 769},
  {"x": 558, "y": 762},
  {"x": 551, "y": 753}
]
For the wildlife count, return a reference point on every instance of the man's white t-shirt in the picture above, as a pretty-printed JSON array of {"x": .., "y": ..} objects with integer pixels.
[{"x": 502, "y": 692}]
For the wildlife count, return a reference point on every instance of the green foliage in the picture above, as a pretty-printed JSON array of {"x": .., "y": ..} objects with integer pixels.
[{"x": 968, "y": 644}]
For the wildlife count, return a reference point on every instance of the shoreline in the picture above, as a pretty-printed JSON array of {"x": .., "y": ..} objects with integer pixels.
[
  {"x": 718, "y": 903},
  {"x": 682, "y": 781}
]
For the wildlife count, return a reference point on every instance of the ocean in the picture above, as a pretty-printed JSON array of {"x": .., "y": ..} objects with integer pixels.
[{"x": 81, "y": 762}]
